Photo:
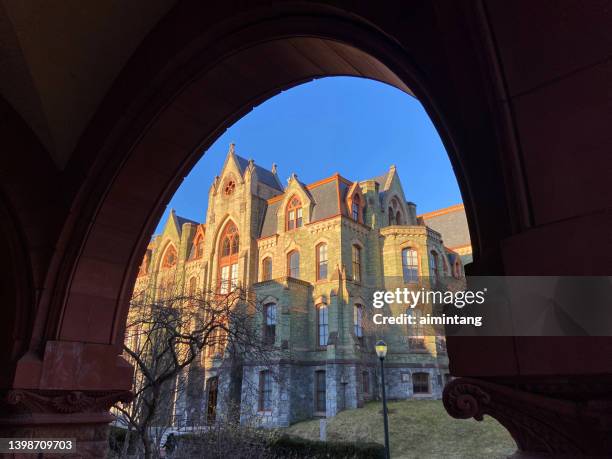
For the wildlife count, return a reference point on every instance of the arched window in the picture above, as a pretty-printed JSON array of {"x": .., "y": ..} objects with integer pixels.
[
  {"x": 170, "y": 257},
  {"x": 198, "y": 247},
  {"x": 228, "y": 258},
  {"x": 294, "y": 213},
  {"x": 434, "y": 265},
  {"x": 270, "y": 323},
  {"x": 356, "y": 262},
  {"x": 416, "y": 335},
  {"x": 321, "y": 250},
  {"x": 266, "y": 269},
  {"x": 322, "y": 325},
  {"x": 293, "y": 264},
  {"x": 358, "y": 320},
  {"x": 395, "y": 213},
  {"x": 355, "y": 207}
]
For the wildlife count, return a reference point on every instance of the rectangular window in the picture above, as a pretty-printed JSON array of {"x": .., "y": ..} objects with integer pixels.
[
  {"x": 410, "y": 265},
  {"x": 270, "y": 322},
  {"x": 323, "y": 330},
  {"x": 365, "y": 380},
  {"x": 420, "y": 383},
  {"x": 358, "y": 319},
  {"x": 291, "y": 222},
  {"x": 294, "y": 265},
  {"x": 321, "y": 399},
  {"x": 356, "y": 263},
  {"x": 322, "y": 261},
  {"x": 356, "y": 212},
  {"x": 299, "y": 220},
  {"x": 225, "y": 279},
  {"x": 416, "y": 336},
  {"x": 265, "y": 391}
]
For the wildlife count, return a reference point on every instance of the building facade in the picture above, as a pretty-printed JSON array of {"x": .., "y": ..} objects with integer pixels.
[{"x": 313, "y": 254}]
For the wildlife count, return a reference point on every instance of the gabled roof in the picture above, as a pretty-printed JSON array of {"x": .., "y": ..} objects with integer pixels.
[
  {"x": 328, "y": 196},
  {"x": 264, "y": 175}
]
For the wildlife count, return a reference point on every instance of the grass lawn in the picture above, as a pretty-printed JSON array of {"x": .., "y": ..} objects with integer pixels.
[{"x": 417, "y": 429}]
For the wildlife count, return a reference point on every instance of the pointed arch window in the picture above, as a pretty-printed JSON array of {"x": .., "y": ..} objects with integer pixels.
[
  {"x": 198, "y": 247},
  {"x": 144, "y": 266},
  {"x": 295, "y": 217},
  {"x": 321, "y": 250},
  {"x": 229, "y": 247},
  {"x": 170, "y": 257},
  {"x": 293, "y": 264},
  {"x": 395, "y": 212}
]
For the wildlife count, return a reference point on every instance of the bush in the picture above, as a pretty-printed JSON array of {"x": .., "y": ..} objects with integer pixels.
[
  {"x": 238, "y": 442},
  {"x": 295, "y": 447}
]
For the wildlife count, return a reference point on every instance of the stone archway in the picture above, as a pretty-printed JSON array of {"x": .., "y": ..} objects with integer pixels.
[{"x": 200, "y": 69}]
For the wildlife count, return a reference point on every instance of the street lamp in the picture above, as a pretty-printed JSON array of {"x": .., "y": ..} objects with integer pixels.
[{"x": 381, "y": 352}]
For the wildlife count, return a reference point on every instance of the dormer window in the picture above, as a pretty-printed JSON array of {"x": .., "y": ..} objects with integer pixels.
[
  {"x": 355, "y": 207},
  {"x": 294, "y": 214}
]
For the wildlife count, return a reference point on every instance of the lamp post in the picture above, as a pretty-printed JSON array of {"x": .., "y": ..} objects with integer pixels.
[{"x": 381, "y": 352}]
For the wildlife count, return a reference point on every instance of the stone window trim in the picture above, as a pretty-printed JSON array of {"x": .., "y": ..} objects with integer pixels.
[
  {"x": 197, "y": 250},
  {"x": 320, "y": 393},
  {"x": 434, "y": 265},
  {"x": 265, "y": 392},
  {"x": 421, "y": 383},
  {"x": 322, "y": 261},
  {"x": 170, "y": 257},
  {"x": 266, "y": 268},
  {"x": 270, "y": 320},
  {"x": 355, "y": 204},
  {"x": 395, "y": 210},
  {"x": 294, "y": 213},
  {"x": 229, "y": 248},
  {"x": 293, "y": 264},
  {"x": 357, "y": 262},
  {"x": 322, "y": 330},
  {"x": 406, "y": 247}
]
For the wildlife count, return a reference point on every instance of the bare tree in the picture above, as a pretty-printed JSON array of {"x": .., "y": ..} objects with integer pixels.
[{"x": 165, "y": 335}]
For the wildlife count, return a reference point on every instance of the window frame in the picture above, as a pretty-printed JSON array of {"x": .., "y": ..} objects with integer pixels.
[
  {"x": 356, "y": 263},
  {"x": 266, "y": 274},
  {"x": 319, "y": 308},
  {"x": 289, "y": 267},
  {"x": 229, "y": 250},
  {"x": 419, "y": 384},
  {"x": 320, "y": 388},
  {"x": 358, "y": 321},
  {"x": 410, "y": 267},
  {"x": 320, "y": 262},
  {"x": 265, "y": 387},
  {"x": 294, "y": 213},
  {"x": 270, "y": 336}
]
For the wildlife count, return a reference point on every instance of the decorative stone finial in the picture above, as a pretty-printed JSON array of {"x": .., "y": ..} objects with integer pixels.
[
  {"x": 292, "y": 177},
  {"x": 274, "y": 169},
  {"x": 232, "y": 148}
]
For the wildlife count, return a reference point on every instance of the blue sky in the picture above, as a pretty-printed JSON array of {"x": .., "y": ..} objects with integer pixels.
[{"x": 353, "y": 126}]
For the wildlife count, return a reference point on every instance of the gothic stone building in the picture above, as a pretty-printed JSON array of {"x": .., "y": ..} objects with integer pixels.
[{"x": 313, "y": 254}]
